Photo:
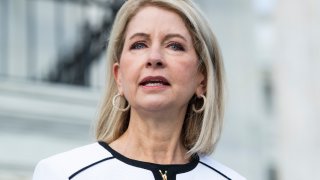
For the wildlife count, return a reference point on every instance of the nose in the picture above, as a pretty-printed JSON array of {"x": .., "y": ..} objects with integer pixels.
[{"x": 155, "y": 58}]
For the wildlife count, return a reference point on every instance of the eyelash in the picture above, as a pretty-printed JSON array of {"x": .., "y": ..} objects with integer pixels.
[
  {"x": 174, "y": 46},
  {"x": 135, "y": 45}
]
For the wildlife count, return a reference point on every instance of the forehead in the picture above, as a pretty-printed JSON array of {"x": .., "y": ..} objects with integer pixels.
[{"x": 151, "y": 19}]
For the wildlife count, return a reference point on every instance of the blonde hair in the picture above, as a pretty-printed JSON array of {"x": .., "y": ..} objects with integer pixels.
[{"x": 200, "y": 131}]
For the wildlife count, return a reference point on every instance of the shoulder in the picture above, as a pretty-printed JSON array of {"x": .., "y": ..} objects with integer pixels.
[
  {"x": 62, "y": 165},
  {"x": 220, "y": 168}
]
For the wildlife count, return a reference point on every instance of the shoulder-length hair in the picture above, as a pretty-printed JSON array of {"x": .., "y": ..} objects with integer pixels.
[{"x": 200, "y": 131}]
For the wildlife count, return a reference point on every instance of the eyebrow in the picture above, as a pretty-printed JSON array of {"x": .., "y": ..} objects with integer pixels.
[
  {"x": 144, "y": 35},
  {"x": 168, "y": 36}
]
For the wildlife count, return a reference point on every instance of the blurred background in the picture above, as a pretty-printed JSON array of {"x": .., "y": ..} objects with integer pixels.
[{"x": 52, "y": 74}]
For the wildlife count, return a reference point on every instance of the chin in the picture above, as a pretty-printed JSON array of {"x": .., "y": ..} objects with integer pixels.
[{"x": 155, "y": 106}]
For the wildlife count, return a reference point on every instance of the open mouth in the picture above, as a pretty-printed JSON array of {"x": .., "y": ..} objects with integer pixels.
[{"x": 154, "y": 81}]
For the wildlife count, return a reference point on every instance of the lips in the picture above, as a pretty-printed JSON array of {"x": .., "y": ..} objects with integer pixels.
[{"x": 154, "y": 81}]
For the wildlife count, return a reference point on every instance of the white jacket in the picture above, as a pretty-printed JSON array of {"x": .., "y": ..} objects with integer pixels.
[{"x": 98, "y": 161}]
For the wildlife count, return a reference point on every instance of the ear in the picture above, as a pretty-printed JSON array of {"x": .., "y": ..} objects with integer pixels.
[
  {"x": 202, "y": 85},
  {"x": 117, "y": 77}
]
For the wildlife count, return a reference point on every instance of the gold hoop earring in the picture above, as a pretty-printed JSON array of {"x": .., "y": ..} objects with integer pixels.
[
  {"x": 203, "y": 105},
  {"x": 117, "y": 107}
]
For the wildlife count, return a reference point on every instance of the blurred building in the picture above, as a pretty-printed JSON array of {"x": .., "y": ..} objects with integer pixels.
[
  {"x": 52, "y": 76},
  {"x": 272, "y": 59}
]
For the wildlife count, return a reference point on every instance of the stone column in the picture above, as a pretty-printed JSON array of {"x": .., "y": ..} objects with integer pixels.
[{"x": 297, "y": 88}]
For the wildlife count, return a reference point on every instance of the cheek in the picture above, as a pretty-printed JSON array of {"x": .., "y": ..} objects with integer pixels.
[
  {"x": 129, "y": 71},
  {"x": 187, "y": 70}
]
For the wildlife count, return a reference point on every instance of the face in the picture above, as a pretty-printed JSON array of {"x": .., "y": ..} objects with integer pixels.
[{"x": 158, "y": 67}]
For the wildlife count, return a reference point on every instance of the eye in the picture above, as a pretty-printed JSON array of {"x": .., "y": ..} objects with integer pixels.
[
  {"x": 176, "y": 46},
  {"x": 138, "y": 45}
]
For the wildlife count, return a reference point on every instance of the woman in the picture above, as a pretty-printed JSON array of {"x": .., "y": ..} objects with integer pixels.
[{"x": 163, "y": 108}]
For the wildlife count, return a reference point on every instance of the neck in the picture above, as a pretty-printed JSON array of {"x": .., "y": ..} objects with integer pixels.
[{"x": 153, "y": 138}]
